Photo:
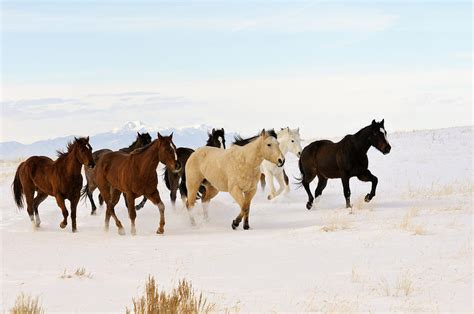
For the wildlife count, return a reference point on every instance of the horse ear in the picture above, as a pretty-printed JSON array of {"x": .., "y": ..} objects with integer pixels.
[
  {"x": 263, "y": 133},
  {"x": 159, "y": 136},
  {"x": 222, "y": 130},
  {"x": 382, "y": 122},
  {"x": 171, "y": 136},
  {"x": 138, "y": 133},
  {"x": 87, "y": 139},
  {"x": 213, "y": 130},
  {"x": 298, "y": 130},
  {"x": 374, "y": 123},
  {"x": 75, "y": 139}
]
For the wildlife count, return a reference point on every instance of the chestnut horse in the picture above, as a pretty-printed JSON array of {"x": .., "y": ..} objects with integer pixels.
[
  {"x": 134, "y": 175},
  {"x": 60, "y": 178},
  {"x": 141, "y": 140}
]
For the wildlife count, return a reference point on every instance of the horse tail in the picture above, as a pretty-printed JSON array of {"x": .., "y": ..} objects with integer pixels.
[
  {"x": 101, "y": 200},
  {"x": 84, "y": 191},
  {"x": 18, "y": 188},
  {"x": 262, "y": 181},
  {"x": 299, "y": 181},
  {"x": 183, "y": 190}
]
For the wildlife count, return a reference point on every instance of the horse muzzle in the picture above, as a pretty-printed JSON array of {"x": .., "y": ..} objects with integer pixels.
[
  {"x": 281, "y": 162},
  {"x": 387, "y": 149}
]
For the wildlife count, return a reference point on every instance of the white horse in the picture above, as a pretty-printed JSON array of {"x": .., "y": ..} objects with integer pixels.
[
  {"x": 290, "y": 141},
  {"x": 235, "y": 170}
]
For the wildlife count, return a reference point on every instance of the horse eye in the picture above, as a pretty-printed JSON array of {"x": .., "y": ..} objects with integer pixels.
[
  {"x": 269, "y": 145},
  {"x": 292, "y": 141}
]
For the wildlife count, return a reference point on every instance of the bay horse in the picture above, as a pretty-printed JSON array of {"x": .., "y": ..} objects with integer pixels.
[
  {"x": 135, "y": 175},
  {"x": 289, "y": 141},
  {"x": 142, "y": 139},
  {"x": 345, "y": 159},
  {"x": 235, "y": 170},
  {"x": 216, "y": 138},
  {"x": 60, "y": 178}
]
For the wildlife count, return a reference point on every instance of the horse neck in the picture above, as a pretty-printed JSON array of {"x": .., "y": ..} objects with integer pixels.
[
  {"x": 150, "y": 155},
  {"x": 134, "y": 145},
  {"x": 71, "y": 163},
  {"x": 361, "y": 139},
  {"x": 283, "y": 147},
  {"x": 252, "y": 154}
]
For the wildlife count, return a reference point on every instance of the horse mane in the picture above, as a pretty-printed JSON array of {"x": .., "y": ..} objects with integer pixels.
[
  {"x": 143, "y": 148},
  {"x": 69, "y": 147},
  {"x": 238, "y": 140}
]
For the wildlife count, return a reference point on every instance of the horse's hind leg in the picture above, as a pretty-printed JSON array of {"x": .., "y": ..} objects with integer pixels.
[
  {"x": 141, "y": 204},
  {"x": 367, "y": 176},
  {"x": 347, "y": 190},
  {"x": 62, "y": 205},
  {"x": 29, "y": 196},
  {"x": 132, "y": 214},
  {"x": 211, "y": 192},
  {"x": 156, "y": 199},
  {"x": 114, "y": 199},
  {"x": 36, "y": 202},
  {"x": 91, "y": 199},
  {"x": 322, "y": 182}
]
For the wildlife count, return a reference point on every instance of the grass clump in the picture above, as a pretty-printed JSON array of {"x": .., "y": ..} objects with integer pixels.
[
  {"x": 182, "y": 299},
  {"x": 25, "y": 304}
]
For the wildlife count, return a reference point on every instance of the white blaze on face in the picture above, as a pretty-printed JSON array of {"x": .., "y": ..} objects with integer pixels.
[
  {"x": 221, "y": 141},
  {"x": 174, "y": 151},
  {"x": 384, "y": 134}
]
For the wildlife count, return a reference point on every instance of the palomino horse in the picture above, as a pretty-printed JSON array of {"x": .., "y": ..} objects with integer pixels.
[
  {"x": 134, "y": 175},
  {"x": 290, "y": 141},
  {"x": 60, "y": 178},
  {"x": 141, "y": 140},
  {"x": 235, "y": 170},
  {"x": 216, "y": 138},
  {"x": 345, "y": 159}
]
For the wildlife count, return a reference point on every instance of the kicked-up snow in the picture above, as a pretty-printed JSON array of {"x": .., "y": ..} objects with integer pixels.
[{"x": 409, "y": 249}]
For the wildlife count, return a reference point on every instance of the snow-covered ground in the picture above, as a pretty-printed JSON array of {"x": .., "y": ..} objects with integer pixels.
[{"x": 410, "y": 249}]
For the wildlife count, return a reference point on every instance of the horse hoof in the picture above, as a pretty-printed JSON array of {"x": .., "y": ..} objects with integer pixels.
[
  {"x": 160, "y": 231},
  {"x": 246, "y": 227},
  {"x": 368, "y": 198},
  {"x": 121, "y": 231},
  {"x": 63, "y": 225},
  {"x": 133, "y": 232},
  {"x": 269, "y": 197},
  {"x": 309, "y": 205},
  {"x": 93, "y": 212},
  {"x": 74, "y": 230},
  {"x": 234, "y": 226}
]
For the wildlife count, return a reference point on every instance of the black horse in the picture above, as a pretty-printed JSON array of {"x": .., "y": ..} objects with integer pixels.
[
  {"x": 142, "y": 139},
  {"x": 345, "y": 159},
  {"x": 216, "y": 138}
]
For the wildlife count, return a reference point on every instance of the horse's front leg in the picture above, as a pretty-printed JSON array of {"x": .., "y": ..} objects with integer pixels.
[
  {"x": 132, "y": 214},
  {"x": 239, "y": 197},
  {"x": 156, "y": 199},
  {"x": 271, "y": 185},
  {"x": 74, "y": 202},
  {"x": 60, "y": 202},
  {"x": 141, "y": 204},
  {"x": 347, "y": 190},
  {"x": 248, "y": 199},
  {"x": 281, "y": 183},
  {"x": 367, "y": 176}
]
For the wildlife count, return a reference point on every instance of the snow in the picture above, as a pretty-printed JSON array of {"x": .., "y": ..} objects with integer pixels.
[{"x": 410, "y": 249}]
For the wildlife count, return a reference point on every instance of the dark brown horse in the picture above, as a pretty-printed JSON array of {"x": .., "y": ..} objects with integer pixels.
[
  {"x": 135, "y": 175},
  {"x": 216, "y": 138},
  {"x": 142, "y": 139},
  {"x": 60, "y": 178},
  {"x": 345, "y": 159}
]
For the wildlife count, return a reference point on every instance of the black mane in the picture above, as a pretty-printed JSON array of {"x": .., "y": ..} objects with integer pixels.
[{"x": 238, "y": 140}]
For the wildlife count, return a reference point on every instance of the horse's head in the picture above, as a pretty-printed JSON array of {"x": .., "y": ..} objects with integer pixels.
[
  {"x": 83, "y": 151},
  {"x": 143, "y": 139},
  {"x": 216, "y": 138},
  {"x": 378, "y": 137},
  {"x": 271, "y": 149},
  {"x": 290, "y": 140},
  {"x": 167, "y": 152}
]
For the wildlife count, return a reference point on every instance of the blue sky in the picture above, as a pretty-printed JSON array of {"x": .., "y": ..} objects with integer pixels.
[{"x": 71, "y": 49}]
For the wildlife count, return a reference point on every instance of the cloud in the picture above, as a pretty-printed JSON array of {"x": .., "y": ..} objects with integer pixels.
[{"x": 282, "y": 18}]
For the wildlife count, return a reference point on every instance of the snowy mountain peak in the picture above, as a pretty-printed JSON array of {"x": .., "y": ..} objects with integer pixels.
[{"x": 131, "y": 126}]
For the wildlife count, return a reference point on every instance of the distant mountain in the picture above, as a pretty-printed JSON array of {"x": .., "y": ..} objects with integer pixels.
[{"x": 193, "y": 137}]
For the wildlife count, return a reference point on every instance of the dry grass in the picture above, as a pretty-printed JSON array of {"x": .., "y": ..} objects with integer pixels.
[
  {"x": 441, "y": 190},
  {"x": 25, "y": 304},
  {"x": 182, "y": 299},
  {"x": 408, "y": 225},
  {"x": 80, "y": 272},
  {"x": 404, "y": 286},
  {"x": 339, "y": 305},
  {"x": 355, "y": 275},
  {"x": 336, "y": 222}
]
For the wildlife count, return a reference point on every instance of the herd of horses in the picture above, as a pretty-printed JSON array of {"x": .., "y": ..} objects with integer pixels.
[{"x": 197, "y": 174}]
